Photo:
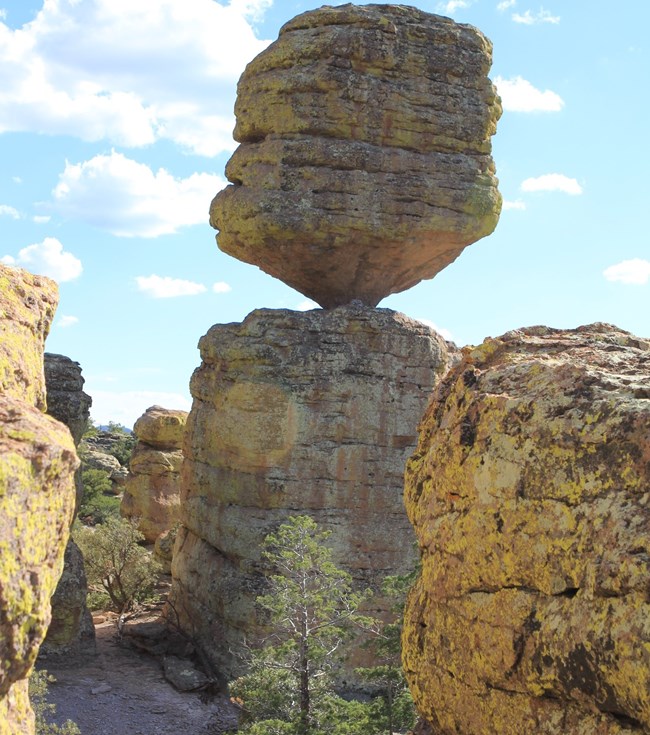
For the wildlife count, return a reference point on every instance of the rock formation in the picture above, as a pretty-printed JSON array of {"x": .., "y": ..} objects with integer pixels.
[
  {"x": 530, "y": 496},
  {"x": 297, "y": 412},
  {"x": 37, "y": 493},
  {"x": 364, "y": 165},
  {"x": 71, "y": 630},
  {"x": 153, "y": 486},
  {"x": 28, "y": 306},
  {"x": 97, "y": 459}
]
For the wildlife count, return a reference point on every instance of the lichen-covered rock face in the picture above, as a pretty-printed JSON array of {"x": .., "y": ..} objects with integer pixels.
[
  {"x": 297, "y": 412},
  {"x": 71, "y": 631},
  {"x": 153, "y": 486},
  {"x": 530, "y": 496},
  {"x": 27, "y": 306},
  {"x": 37, "y": 497},
  {"x": 364, "y": 165}
]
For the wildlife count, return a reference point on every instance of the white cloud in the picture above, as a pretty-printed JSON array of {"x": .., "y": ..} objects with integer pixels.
[
  {"x": 444, "y": 333},
  {"x": 221, "y": 287},
  {"x": 519, "y": 95},
  {"x": 16, "y": 179},
  {"x": 164, "y": 287},
  {"x": 552, "y": 182},
  {"x": 518, "y": 204},
  {"x": 129, "y": 72},
  {"x": 128, "y": 199},
  {"x": 47, "y": 258},
  {"x": 635, "y": 271},
  {"x": 41, "y": 219},
  {"x": 451, "y": 6},
  {"x": 7, "y": 211},
  {"x": 126, "y": 407},
  {"x": 67, "y": 321},
  {"x": 505, "y": 4},
  {"x": 307, "y": 305},
  {"x": 542, "y": 16}
]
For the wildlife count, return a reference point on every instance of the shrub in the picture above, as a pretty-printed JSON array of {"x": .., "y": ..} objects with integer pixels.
[
  {"x": 39, "y": 682},
  {"x": 120, "y": 572},
  {"x": 98, "y": 504}
]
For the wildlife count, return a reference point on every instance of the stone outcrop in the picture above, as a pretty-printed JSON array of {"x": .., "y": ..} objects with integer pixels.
[
  {"x": 153, "y": 486},
  {"x": 66, "y": 400},
  {"x": 297, "y": 412},
  {"x": 97, "y": 459},
  {"x": 37, "y": 492},
  {"x": 364, "y": 165},
  {"x": 27, "y": 306},
  {"x": 71, "y": 631},
  {"x": 530, "y": 496}
]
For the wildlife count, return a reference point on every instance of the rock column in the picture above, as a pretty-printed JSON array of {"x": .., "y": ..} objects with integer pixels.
[
  {"x": 153, "y": 486},
  {"x": 364, "y": 167},
  {"x": 71, "y": 631},
  {"x": 297, "y": 412}
]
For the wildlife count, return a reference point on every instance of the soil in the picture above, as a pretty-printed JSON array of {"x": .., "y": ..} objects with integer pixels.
[{"x": 122, "y": 691}]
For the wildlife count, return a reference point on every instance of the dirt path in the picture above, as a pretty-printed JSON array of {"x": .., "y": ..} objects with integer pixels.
[{"x": 123, "y": 692}]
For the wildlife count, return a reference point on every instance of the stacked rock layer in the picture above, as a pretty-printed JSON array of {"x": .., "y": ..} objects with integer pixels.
[
  {"x": 153, "y": 486},
  {"x": 71, "y": 631},
  {"x": 297, "y": 412},
  {"x": 364, "y": 165},
  {"x": 530, "y": 496},
  {"x": 37, "y": 492}
]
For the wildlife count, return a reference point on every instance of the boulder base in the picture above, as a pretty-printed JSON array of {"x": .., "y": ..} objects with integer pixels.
[{"x": 297, "y": 412}]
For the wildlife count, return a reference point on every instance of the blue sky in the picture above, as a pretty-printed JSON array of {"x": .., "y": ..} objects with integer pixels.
[{"x": 115, "y": 126}]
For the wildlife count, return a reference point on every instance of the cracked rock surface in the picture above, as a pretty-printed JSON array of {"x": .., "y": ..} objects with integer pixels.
[
  {"x": 364, "y": 165},
  {"x": 530, "y": 496}
]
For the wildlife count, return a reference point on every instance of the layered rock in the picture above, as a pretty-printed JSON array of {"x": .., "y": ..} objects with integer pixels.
[
  {"x": 71, "y": 631},
  {"x": 27, "y": 306},
  {"x": 364, "y": 165},
  {"x": 530, "y": 496},
  {"x": 153, "y": 486},
  {"x": 297, "y": 412},
  {"x": 37, "y": 492}
]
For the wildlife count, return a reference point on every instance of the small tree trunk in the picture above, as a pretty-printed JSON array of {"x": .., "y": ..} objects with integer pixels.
[{"x": 305, "y": 698}]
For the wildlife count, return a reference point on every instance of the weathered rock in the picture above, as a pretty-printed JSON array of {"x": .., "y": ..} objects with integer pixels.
[
  {"x": 99, "y": 460},
  {"x": 161, "y": 428},
  {"x": 297, "y": 412},
  {"x": 153, "y": 486},
  {"x": 164, "y": 548},
  {"x": 71, "y": 631},
  {"x": 27, "y": 306},
  {"x": 530, "y": 496},
  {"x": 66, "y": 400},
  {"x": 37, "y": 497},
  {"x": 364, "y": 165}
]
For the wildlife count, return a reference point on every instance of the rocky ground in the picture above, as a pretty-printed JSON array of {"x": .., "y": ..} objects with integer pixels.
[{"x": 122, "y": 690}]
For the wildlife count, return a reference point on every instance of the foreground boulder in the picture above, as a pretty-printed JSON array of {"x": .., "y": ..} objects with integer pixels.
[
  {"x": 153, "y": 486},
  {"x": 71, "y": 631},
  {"x": 530, "y": 496},
  {"x": 37, "y": 490},
  {"x": 364, "y": 165},
  {"x": 296, "y": 412}
]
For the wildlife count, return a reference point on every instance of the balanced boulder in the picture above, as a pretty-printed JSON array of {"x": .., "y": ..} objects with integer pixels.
[{"x": 364, "y": 165}]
